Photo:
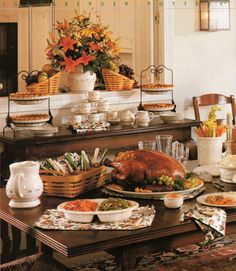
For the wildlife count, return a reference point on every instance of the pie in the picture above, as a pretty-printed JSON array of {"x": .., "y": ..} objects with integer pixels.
[
  {"x": 25, "y": 95},
  {"x": 29, "y": 117},
  {"x": 159, "y": 106},
  {"x": 157, "y": 86}
]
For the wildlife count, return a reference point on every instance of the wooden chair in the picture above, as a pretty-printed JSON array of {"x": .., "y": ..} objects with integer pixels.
[{"x": 213, "y": 99}]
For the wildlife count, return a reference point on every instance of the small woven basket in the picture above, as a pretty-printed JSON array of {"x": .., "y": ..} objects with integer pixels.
[
  {"x": 48, "y": 86},
  {"x": 73, "y": 185},
  {"x": 112, "y": 80}
]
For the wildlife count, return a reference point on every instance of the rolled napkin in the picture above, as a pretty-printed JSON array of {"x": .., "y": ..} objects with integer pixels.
[{"x": 211, "y": 220}]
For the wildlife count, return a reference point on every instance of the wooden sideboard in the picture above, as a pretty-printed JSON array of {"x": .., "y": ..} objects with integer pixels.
[{"x": 25, "y": 146}]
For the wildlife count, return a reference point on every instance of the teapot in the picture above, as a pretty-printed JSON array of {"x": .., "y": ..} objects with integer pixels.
[
  {"x": 24, "y": 186},
  {"x": 143, "y": 118},
  {"x": 127, "y": 117}
]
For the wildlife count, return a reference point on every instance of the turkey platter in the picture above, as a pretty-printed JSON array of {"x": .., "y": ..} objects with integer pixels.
[{"x": 149, "y": 171}]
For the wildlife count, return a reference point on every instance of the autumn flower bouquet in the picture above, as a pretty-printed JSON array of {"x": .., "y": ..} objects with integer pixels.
[{"x": 82, "y": 42}]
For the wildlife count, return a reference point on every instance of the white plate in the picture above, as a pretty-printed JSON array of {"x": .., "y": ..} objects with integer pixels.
[
  {"x": 159, "y": 109},
  {"x": 114, "y": 121},
  {"x": 227, "y": 181},
  {"x": 211, "y": 169},
  {"x": 104, "y": 216},
  {"x": 202, "y": 199},
  {"x": 154, "y": 194},
  {"x": 44, "y": 130},
  {"x": 29, "y": 101},
  {"x": 157, "y": 89}
]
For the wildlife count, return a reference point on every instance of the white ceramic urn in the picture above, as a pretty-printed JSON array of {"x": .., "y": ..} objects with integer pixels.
[{"x": 24, "y": 186}]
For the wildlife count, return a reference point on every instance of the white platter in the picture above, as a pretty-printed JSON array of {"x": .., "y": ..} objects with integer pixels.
[
  {"x": 104, "y": 216},
  {"x": 154, "y": 194},
  {"x": 202, "y": 199}
]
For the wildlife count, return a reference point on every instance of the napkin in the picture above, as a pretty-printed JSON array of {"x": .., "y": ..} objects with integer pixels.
[
  {"x": 211, "y": 220},
  {"x": 53, "y": 219}
]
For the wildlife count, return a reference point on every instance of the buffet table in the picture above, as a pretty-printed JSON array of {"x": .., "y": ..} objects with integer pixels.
[
  {"x": 166, "y": 231},
  {"x": 24, "y": 145}
]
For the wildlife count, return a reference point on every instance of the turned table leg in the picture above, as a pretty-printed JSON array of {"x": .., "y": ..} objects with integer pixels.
[{"x": 6, "y": 242}]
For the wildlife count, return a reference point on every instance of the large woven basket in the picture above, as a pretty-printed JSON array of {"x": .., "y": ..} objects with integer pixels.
[
  {"x": 112, "y": 80},
  {"x": 73, "y": 185},
  {"x": 127, "y": 83},
  {"x": 49, "y": 86}
]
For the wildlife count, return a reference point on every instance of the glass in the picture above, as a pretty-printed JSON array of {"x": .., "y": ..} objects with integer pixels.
[
  {"x": 164, "y": 143},
  {"x": 147, "y": 145},
  {"x": 180, "y": 151}
]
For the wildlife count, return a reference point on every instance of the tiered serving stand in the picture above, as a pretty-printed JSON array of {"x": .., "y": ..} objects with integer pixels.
[{"x": 153, "y": 87}]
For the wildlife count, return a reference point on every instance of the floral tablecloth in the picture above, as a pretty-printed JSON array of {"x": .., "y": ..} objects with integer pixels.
[{"x": 53, "y": 219}]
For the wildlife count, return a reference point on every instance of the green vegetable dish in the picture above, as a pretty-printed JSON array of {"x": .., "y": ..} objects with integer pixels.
[{"x": 112, "y": 204}]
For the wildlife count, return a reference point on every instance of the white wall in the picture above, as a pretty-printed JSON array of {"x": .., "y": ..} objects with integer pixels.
[{"x": 202, "y": 61}]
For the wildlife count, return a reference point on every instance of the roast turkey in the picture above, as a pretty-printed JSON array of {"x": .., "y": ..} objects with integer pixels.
[{"x": 133, "y": 167}]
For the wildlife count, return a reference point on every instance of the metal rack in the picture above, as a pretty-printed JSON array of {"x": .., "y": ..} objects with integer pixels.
[
  {"x": 8, "y": 118},
  {"x": 155, "y": 74}
]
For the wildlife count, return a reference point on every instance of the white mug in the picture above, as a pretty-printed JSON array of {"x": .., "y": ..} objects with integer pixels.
[
  {"x": 73, "y": 119},
  {"x": 112, "y": 115},
  {"x": 94, "y": 118},
  {"x": 85, "y": 107},
  {"x": 103, "y": 105},
  {"x": 93, "y": 96}
]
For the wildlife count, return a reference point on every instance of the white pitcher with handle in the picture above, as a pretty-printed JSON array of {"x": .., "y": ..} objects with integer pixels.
[{"x": 24, "y": 186}]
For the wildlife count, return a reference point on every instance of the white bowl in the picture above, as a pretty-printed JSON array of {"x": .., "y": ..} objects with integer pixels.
[
  {"x": 104, "y": 216},
  {"x": 173, "y": 200},
  {"x": 170, "y": 117},
  {"x": 227, "y": 168}
]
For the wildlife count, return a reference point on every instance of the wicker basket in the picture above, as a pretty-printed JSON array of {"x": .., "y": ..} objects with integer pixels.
[
  {"x": 73, "y": 185},
  {"x": 49, "y": 86},
  {"x": 128, "y": 83},
  {"x": 112, "y": 80}
]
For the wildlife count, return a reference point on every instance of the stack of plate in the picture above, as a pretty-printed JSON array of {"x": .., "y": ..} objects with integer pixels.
[{"x": 44, "y": 130}]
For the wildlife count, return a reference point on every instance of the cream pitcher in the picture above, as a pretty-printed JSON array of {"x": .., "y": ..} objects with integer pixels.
[{"x": 24, "y": 186}]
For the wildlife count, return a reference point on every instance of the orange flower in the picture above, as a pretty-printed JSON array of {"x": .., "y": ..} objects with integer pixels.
[
  {"x": 63, "y": 26},
  {"x": 69, "y": 64},
  {"x": 85, "y": 59},
  {"x": 94, "y": 46},
  {"x": 67, "y": 43}
]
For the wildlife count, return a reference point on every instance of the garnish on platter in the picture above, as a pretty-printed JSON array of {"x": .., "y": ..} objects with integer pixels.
[{"x": 145, "y": 171}]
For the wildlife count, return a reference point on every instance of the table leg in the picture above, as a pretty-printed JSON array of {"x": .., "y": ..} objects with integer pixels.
[
  {"x": 125, "y": 259},
  {"x": 6, "y": 242},
  {"x": 30, "y": 244},
  {"x": 16, "y": 241}
]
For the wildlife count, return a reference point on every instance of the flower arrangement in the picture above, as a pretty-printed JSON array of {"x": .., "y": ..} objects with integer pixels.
[
  {"x": 210, "y": 127},
  {"x": 82, "y": 42}
]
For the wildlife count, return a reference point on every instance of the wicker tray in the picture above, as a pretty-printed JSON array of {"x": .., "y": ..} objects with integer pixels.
[
  {"x": 49, "y": 86},
  {"x": 73, "y": 185}
]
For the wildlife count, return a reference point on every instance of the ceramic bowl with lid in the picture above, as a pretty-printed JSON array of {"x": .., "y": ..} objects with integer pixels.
[
  {"x": 227, "y": 169},
  {"x": 169, "y": 117}
]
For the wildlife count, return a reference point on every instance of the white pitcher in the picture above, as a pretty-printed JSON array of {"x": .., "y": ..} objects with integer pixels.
[
  {"x": 24, "y": 186},
  {"x": 144, "y": 117}
]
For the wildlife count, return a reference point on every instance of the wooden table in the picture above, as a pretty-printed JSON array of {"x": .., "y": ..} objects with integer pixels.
[
  {"x": 25, "y": 146},
  {"x": 165, "y": 233}
]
